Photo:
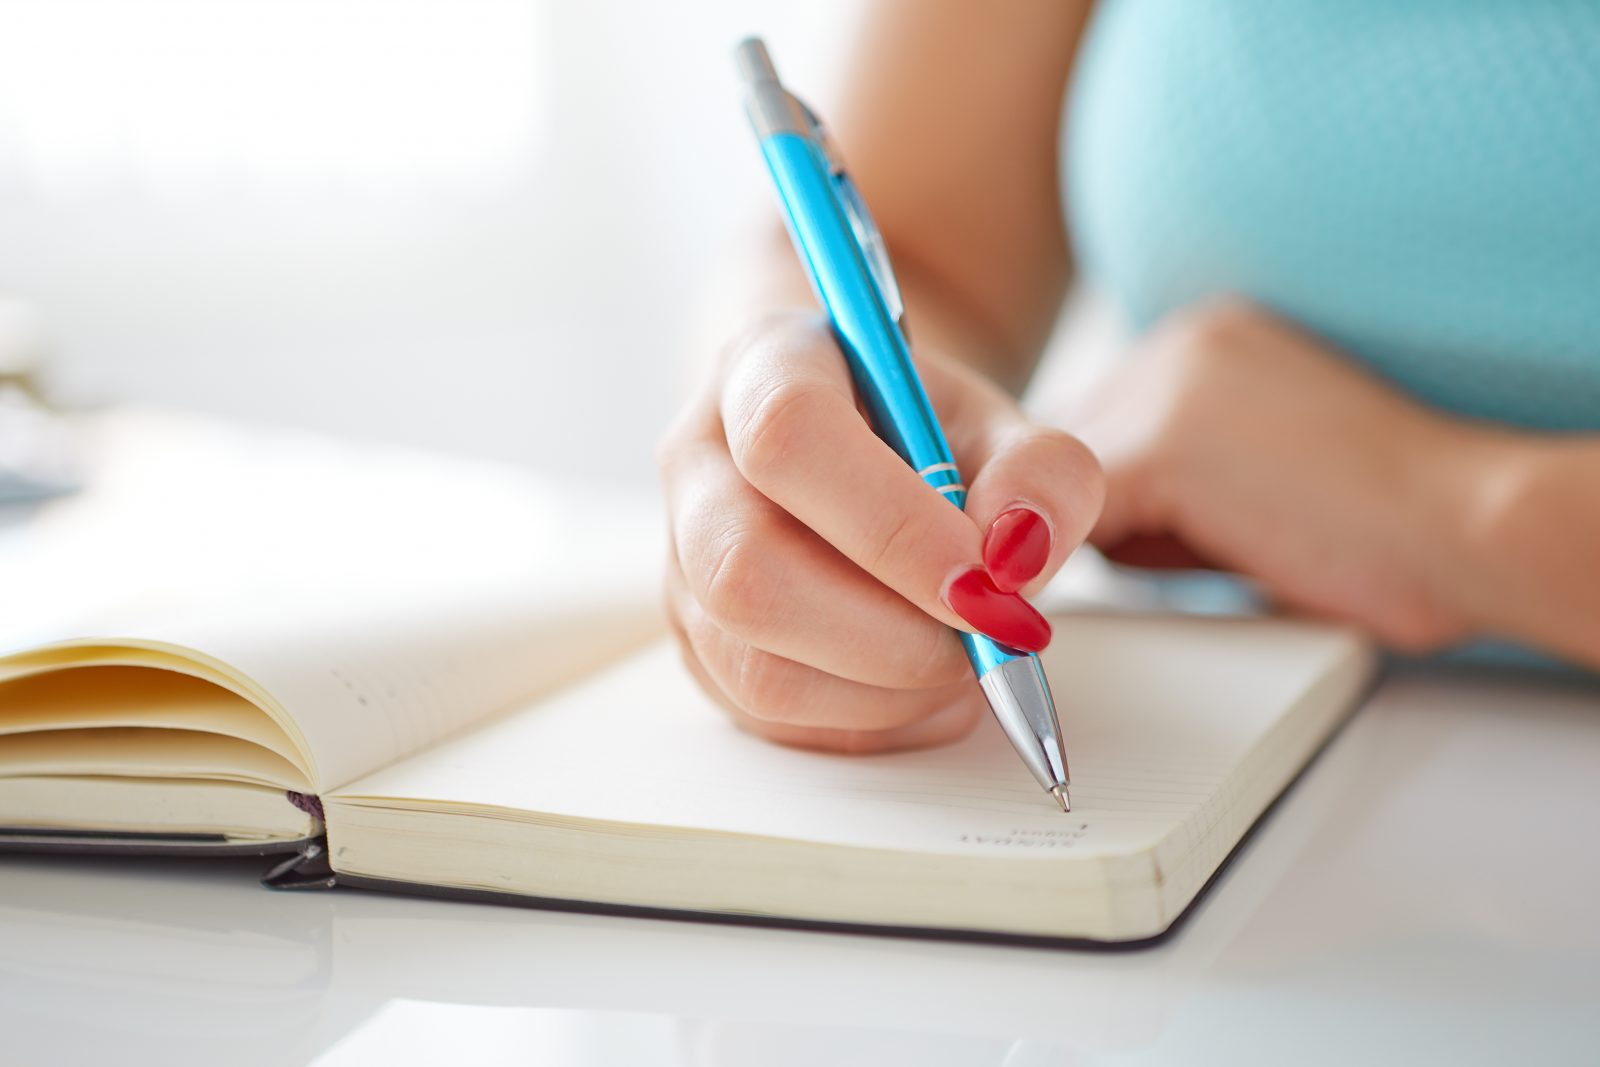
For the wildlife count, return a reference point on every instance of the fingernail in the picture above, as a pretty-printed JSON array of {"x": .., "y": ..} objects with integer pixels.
[
  {"x": 1016, "y": 548},
  {"x": 1004, "y": 616}
]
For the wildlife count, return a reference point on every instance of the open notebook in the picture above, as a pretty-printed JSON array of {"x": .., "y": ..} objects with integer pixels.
[{"x": 483, "y": 738}]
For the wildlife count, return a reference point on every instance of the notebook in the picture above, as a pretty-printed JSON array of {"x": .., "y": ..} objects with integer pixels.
[{"x": 505, "y": 722}]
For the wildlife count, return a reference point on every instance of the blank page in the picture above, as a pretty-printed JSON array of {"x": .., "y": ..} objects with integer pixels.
[{"x": 1157, "y": 713}]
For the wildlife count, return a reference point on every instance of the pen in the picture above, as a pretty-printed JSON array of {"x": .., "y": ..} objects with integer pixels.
[{"x": 849, "y": 269}]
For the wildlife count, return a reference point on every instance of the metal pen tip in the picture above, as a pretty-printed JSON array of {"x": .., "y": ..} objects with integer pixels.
[{"x": 1019, "y": 696}]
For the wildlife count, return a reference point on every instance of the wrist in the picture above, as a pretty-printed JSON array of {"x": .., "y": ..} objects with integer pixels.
[{"x": 1482, "y": 481}]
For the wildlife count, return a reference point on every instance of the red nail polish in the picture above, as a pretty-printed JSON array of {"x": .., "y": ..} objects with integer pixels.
[
  {"x": 1006, "y": 617},
  {"x": 1016, "y": 548}
]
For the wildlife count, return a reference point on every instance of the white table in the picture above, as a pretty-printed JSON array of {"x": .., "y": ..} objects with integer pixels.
[{"x": 1429, "y": 892}]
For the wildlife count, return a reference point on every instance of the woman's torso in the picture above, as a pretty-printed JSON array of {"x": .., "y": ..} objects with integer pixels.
[{"x": 1417, "y": 182}]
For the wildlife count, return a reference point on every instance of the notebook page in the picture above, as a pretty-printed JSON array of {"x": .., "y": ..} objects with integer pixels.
[
  {"x": 383, "y": 597},
  {"x": 1156, "y": 713}
]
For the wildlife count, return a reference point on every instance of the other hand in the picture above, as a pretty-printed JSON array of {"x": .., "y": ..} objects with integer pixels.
[{"x": 1233, "y": 440}]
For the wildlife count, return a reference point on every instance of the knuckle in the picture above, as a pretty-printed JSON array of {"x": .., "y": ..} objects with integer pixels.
[
  {"x": 724, "y": 531},
  {"x": 740, "y": 587},
  {"x": 895, "y": 536},
  {"x": 771, "y": 424},
  {"x": 766, "y": 686}
]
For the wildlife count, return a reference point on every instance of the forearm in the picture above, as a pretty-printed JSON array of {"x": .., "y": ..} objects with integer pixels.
[{"x": 1529, "y": 541}]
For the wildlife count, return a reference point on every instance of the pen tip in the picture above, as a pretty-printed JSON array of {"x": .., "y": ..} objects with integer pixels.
[{"x": 1062, "y": 797}]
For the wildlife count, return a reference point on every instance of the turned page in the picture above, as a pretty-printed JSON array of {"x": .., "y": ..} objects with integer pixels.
[
  {"x": 1159, "y": 713},
  {"x": 382, "y": 598}
]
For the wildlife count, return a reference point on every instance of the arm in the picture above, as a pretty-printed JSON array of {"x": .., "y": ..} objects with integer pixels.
[
  {"x": 1232, "y": 439},
  {"x": 1529, "y": 540}
]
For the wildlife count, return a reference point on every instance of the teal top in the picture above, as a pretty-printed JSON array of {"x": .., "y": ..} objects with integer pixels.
[{"x": 1418, "y": 181}]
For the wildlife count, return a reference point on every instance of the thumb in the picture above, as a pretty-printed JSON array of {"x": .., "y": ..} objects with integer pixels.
[{"x": 1035, "y": 494}]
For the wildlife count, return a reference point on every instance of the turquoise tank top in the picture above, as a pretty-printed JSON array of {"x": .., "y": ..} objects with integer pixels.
[{"x": 1418, "y": 181}]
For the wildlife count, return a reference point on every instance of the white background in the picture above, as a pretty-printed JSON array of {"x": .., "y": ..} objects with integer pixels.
[{"x": 480, "y": 225}]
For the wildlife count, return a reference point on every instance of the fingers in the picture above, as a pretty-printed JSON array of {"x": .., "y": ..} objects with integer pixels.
[
  {"x": 1140, "y": 514},
  {"x": 1123, "y": 423},
  {"x": 795, "y": 705},
  {"x": 772, "y": 689},
  {"x": 1157, "y": 552},
  {"x": 815, "y": 578},
  {"x": 1037, "y": 494},
  {"x": 756, "y": 573},
  {"x": 944, "y": 726},
  {"x": 795, "y": 435}
]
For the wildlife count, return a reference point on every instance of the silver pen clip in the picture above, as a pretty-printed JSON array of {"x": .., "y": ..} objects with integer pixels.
[
  {"x": 873, "y": 250},
  {"x": 868, "y": 236},
  {"x": 773, "y": 109}
]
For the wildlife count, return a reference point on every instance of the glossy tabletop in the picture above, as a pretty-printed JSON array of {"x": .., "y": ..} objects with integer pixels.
[{"x": 1426, "y": 893}]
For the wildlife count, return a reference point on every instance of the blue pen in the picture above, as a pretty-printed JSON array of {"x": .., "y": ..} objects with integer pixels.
[{"x": 849, "y": 269}]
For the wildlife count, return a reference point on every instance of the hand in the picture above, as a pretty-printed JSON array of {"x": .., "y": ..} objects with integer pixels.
[
  {"x": 1233, "y": 440},
  {"x": 814, "y": 578}
]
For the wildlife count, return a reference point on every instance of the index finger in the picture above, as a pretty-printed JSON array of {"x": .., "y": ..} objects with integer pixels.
[{"x": 793, "y": 429}]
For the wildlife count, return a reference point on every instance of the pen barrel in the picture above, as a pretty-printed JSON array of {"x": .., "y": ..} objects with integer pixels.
[
  {"x": 869, "y": 337},
  {"x": 873, "y": 344}
]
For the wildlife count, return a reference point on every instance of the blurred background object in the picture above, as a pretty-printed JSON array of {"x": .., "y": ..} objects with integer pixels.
[
  {"x": 478, "y": 225},
  {"x": 38, "y": 455}
]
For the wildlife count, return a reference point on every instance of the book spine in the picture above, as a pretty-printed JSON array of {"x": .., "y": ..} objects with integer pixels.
[{"x": 306, "y": 869}]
